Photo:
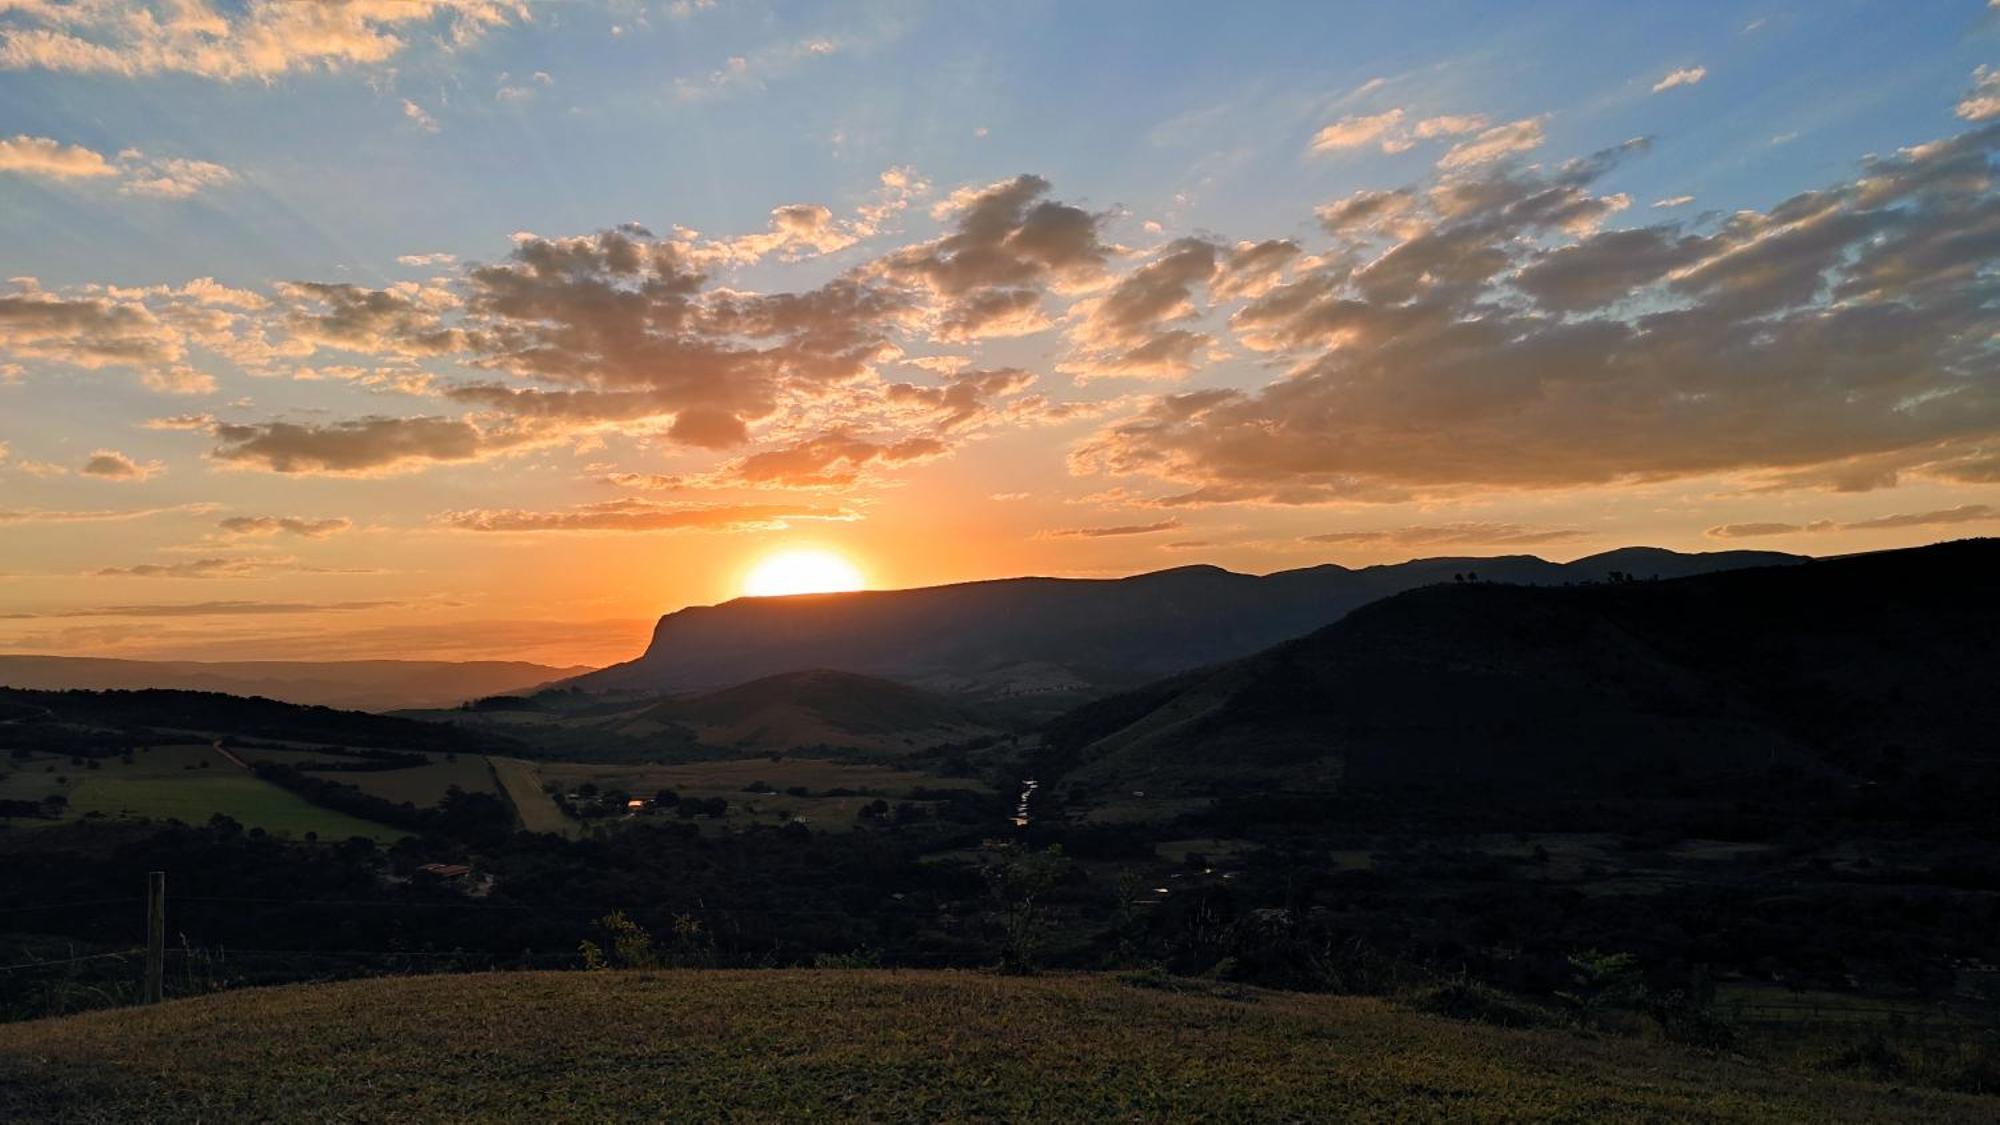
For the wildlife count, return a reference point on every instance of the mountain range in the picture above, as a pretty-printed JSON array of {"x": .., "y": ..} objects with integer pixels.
[
  {"x": 1866, "y": 667},
  {"x": 1068, "y": 637}
]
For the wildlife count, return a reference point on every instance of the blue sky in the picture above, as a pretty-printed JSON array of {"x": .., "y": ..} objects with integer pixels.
[{"x": 343, "y": 174}]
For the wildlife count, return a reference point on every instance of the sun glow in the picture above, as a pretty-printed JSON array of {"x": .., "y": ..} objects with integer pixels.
[{"x": 801, "y": 572}]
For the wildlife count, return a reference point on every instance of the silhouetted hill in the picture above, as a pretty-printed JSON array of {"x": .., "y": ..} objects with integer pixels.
[
  {"x": 367, "y": 685},
  {"x": 92, "y": 721},
  {"x": 1868, "y": 667},
  {"x": 818, "y": 707},
  {"x": 1024, "y": 637}
]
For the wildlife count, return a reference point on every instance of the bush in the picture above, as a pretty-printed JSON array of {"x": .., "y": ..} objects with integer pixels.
[{"x": 1465, "y": 999}]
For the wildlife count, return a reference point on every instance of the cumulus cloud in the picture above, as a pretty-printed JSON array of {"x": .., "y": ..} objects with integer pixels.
[
  {"x": 257, "y": 40},
  {"x": 1007, "y": 245},
  {"x": 828, "y": 460},
  {"x": 1983, "y": 100},
  {"x": 287, "y": 525},
  {"x": 1685, "y": 76},
  {"x": 634, "y": 514},
  {"x": 109, "y": 464},
  {"x": 1497, "y": 337},
  {"x": 1131, "y": 329},
  {"x": 42, "y": 156},
  {"x": 1964, "y": 513},
  {"x": 1451, "y": 534},
  {"x": 1111, "y": 532},
  {"x": 357, "y": 447}
]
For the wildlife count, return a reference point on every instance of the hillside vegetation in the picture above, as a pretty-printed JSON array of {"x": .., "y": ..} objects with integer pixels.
[
  {"x": 818, "y": 708},
  {"x": 878, "y": 1045},
  {"x": 1862, "y": 669}
]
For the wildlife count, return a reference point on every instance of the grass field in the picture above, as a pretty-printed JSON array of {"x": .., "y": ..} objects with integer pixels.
[
  {"x": 421, "y": 786},
  {"x": 187, "y": 783},
  {"x": 523, "y": 784},
  {"x": 897, "y": 1046},
  {"x": 729, "y": 780}
]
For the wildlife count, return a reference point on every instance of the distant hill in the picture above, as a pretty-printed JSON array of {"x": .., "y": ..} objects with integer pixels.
[
  {"x": 883, "y": 1046},
  {"x": 1028, "y": 637},
  {"x": 813, "y": 708},
  {"x": 1863, "y": 665},
  {"x": 366, "y": 685},
  {"x": 95, "y": 720}
]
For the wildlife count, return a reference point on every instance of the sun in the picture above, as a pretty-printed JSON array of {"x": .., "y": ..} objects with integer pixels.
[{"x": 808, "y": 571}]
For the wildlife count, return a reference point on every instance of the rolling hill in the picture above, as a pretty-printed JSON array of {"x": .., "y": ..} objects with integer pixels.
[
  {"x": 814, "y": 708},
  {"x": 1852, "y": 665},
  {"x": 883, "y": 1046},
  {"x": 1027, "y": 637},
  {"x": 362, "y": 685}
]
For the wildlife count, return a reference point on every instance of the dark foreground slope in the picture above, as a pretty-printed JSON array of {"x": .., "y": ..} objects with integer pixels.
[
  {"x": 900, "y": 1046},
  {"x": 1030, "y": 636},
  {"x": 1868, "y": 669}
]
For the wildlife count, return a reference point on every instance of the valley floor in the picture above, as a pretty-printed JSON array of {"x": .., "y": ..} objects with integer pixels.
[{"x": 878, "y": 1045}]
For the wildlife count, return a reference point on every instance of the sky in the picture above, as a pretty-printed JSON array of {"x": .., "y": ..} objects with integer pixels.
[{"x": 472, "y": 329}]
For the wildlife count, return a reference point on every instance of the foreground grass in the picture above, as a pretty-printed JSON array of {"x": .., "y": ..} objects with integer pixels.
[{"x": 878, "y": 1045}]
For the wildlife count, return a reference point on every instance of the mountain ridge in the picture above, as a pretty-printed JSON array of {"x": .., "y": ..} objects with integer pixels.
[{"x": 1037, "y": 635}]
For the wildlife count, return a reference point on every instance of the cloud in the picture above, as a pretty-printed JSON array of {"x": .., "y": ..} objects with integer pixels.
[
  {"x": 257, "y": 40},
  {"x": 1357, "y": 130},
  {"x": 1111, "y": 532},
  {"x": 1685, "y": 76},
  {"x": 100, "y": 515},
  {"x": 427, "y": 260},
  {"x": 360, "y": 447},
  {"x": 202, "y": 609},
  {"x": 1484, "y": 534},
  {"x": 170, "y": 177},
  {"x": 1007, "y": 245},
  {"x": 420, "y": 117},
  {"x": 634, "y": 514},
  {"x": 835, "y": 459},
  {"x": 109, "y": 464},
  {"x": 753, "y": 70},
  {"x": 1983, "y": 101},
  {"x": 41, "y": 156},
  {"x": 1964, "y": 513},
  {"x": 1497, "y": 338},
  {"x": 192, "y": 568},
  {"x": 1128, "y": 331},
  {"x": 1514, "y": 137},
  {"x": 1674, "y": 201},
  {"x": 287, "y": 525}
]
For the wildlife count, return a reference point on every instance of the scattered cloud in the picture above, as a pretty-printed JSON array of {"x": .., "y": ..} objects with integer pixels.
[
  {"x": 1358, "y": 130},
  {"x": 109, "y": 464},
  {"x": 1111, "y": 532},
  {"x": 634, "y": 514},
  {"x": 1964, "y": 513},
  {"x": 1491, "y": 144},
  {"x": 285, "y": 525},
  {"x": 43, "y": 156},
  {"x": 165, "y": 177},
  {"x": 256, "y": 40},
  {"x": 1982, "y": 102},
  {"x": 1451, "y": 534},
  {"x": 420, "y": 117},
  {"x": 1685, "y": 76},
  {"x": 1674, "y": 201}
]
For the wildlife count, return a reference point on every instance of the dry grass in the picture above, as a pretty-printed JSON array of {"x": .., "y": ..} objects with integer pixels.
[{"x": 867, "y": 1045}]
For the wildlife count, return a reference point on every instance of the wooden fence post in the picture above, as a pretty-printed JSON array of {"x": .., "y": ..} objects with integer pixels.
[{"x": 156, "y": 935}]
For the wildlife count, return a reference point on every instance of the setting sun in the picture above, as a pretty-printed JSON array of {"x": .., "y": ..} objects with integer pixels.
[{"x": 801, "y": 572}]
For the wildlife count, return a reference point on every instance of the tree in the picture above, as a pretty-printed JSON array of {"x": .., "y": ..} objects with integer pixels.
[{"x": 1019, "y": 879}]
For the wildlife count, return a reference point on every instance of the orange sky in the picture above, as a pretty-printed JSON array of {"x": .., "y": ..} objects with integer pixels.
[{"x": 553, "y": 325}]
